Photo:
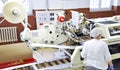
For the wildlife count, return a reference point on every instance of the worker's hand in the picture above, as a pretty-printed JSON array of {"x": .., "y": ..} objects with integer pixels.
[{"x": 111, "y": 67}]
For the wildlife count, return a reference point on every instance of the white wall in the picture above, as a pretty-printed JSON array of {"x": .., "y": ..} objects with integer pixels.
[
  {"x": 39, "y": 4},
  {"x": 66, "y": 4},
  {"x": 55, "y": 4},
  {"x": 60, "y": 4},
  {"x": 84, "y": 3},
  {"x": 70, "y": 4},
  {"x": 118, "y": 3}
]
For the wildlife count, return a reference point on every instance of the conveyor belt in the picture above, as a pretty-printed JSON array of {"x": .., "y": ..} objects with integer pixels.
[
  {"x": 45, "y": 64},
  {"x": 24, "y": 68},
  {"x": 52, "y": 63}
]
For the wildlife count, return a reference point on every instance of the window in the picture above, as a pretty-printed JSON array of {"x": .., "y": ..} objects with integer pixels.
[
  {"x": 100, "y": 5},
  {"x": 25, "y": 2}
]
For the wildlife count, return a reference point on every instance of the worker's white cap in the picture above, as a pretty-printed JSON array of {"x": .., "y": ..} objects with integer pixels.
[{"x": 95, "y": 32}]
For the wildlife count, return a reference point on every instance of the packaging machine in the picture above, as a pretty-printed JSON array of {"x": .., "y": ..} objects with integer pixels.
[
  {"x": 56, "y": 33},
  {"x": 52, "y": 32}
]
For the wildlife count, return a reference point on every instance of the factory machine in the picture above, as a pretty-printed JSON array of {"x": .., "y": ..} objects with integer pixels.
[
  {"x": 111, "y": 33},
  {"x": 54, "y": 32}
]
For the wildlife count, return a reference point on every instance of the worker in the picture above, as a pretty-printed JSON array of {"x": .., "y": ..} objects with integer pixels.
[{"x": 95, "y": 52}]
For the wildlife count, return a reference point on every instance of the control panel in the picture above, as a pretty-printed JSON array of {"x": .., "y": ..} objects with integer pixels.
[{"x": 47, "y": 17}]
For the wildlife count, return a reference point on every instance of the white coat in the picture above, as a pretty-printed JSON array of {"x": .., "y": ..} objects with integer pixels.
[{"x": 96, "y": 53}]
